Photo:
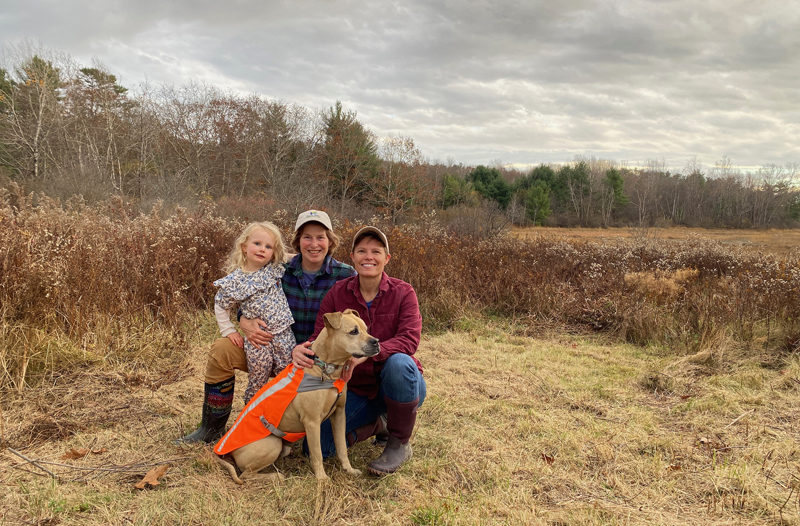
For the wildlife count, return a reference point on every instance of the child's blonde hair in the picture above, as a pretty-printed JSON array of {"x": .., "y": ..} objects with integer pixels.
[{"x": 237, "y": 257}]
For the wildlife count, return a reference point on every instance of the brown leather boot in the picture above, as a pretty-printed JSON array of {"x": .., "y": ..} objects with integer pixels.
[{"x": 401, "y": 417}]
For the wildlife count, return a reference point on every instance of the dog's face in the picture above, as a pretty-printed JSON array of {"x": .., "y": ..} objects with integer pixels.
[{"x": 348, "y": 336}]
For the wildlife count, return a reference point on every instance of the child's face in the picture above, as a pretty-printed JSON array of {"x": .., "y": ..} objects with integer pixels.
[{"x": 259, "y": 249}]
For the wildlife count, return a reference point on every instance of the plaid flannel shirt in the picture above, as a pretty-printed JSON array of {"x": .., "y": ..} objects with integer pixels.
[
  {"x": 393, "y": 317},
  {"x": 304, "y": 297}
]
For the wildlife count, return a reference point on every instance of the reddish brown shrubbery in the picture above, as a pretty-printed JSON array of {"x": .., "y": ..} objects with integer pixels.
[
  {"x": 63, "y": 265},
  {"x": 683, "y": 294},
  {"x": 67, "y": 267}
]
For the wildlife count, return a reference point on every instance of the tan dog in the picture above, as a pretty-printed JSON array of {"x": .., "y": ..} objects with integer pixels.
[{"x": 344, "y": 336}]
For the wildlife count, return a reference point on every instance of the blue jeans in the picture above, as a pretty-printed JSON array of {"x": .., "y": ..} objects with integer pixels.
[{"x": 400, "y": 380}]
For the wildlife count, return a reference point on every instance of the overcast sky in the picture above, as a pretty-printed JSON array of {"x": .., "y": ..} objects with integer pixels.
[{"x": 474, "y": 82}]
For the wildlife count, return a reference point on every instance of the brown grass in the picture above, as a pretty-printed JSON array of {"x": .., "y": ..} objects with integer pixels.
[
  {"x": 82, "y": 275},
  {"x": 105, "y": 328},
  {"x": 515, "y": 430},
  {"x": 781, "y": 242}
]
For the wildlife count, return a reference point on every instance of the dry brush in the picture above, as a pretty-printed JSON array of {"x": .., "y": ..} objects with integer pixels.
[{"x": 71, "y": 271}]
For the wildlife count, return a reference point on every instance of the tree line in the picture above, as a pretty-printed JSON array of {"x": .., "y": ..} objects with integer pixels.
[
  {"x": 592, "y": 192},
  {"x": 68, "y": 130}
]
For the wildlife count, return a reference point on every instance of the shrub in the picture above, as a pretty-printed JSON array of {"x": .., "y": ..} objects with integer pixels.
[
  {"x": 61, "y": 265},
  {"x": 69, "y": 267}
]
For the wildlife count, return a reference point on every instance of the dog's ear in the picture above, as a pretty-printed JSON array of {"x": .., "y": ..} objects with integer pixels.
[
  {"x": 351, "y": 311},
  {"x": 333, "y": 320}
]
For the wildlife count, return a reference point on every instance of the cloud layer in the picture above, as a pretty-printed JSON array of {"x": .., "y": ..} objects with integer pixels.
[{"x": 476, "y": 82}]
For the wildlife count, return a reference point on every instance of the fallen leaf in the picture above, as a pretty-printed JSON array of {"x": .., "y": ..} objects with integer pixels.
[
  {"x": 674, "y": 467},
  {"x": 547, "y": 458},
  {"x": 152, "y": 476},
  {"x": 74, "y": 453},
  {"x": 98, "y": 451}
]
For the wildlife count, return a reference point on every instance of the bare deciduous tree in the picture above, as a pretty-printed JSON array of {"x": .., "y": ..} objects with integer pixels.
[
  {"x": 32, "y": 116},
  {"x": 400, "y": 183}
]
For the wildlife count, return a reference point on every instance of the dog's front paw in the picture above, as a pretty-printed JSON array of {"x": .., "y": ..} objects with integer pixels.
[{"x": 354, "y": 472}]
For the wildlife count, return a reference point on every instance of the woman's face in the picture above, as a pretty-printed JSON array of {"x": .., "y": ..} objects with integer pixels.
[
  {"x": 369, "y": 258},
  {"x": 314, "y": 245}
]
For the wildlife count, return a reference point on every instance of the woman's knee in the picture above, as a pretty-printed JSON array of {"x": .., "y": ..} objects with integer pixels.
[
  {"x": 401, "y": 380},
  {"x": 225, "y": 357}
]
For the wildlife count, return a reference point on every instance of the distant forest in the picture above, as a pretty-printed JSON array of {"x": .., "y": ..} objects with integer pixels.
[{"x": 67, "y": 131}]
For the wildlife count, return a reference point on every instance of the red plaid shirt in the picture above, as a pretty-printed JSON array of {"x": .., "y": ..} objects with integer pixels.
[{"x": 393, "y": 318}]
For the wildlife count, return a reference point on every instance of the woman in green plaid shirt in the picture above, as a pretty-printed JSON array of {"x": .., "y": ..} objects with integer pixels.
[{"x": 308, "y": 277}]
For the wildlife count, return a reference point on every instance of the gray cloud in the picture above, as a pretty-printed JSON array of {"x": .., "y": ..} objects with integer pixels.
[{"x": 517, "y": 81}]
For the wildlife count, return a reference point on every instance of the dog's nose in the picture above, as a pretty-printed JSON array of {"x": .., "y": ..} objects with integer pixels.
[{"x": 372, "y": 347}]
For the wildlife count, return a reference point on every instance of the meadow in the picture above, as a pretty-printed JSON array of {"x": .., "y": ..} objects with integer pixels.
[
  {"x": 773, "y": 241},
  {"x": 571, "y": 381}
]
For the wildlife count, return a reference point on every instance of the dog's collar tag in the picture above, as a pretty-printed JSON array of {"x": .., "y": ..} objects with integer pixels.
[{"x": 327, "y": 368}]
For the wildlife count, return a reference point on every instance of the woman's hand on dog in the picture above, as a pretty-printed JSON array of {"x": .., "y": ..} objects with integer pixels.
[
  {"x": 349, "y": 367},
  {"x": 254, "y": 332},
  {"x": 303, "y": 356}
]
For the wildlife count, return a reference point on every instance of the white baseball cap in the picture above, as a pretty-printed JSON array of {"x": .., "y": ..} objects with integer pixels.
[{"x": 317, "y": 216}]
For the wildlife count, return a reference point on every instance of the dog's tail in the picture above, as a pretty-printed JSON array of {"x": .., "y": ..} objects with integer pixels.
[{"x": 230, "y": 467}]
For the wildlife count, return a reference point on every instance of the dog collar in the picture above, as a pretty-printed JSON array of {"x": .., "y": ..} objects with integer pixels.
[{"x": 327, "y": 368}]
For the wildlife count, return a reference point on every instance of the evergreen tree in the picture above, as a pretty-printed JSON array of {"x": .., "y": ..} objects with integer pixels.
[
  {"x": 611, "y": 196},
  {"x": 488, "y": 183},
  {"x": 351, "y": 155},
  {"x": 537, "y": 202}
]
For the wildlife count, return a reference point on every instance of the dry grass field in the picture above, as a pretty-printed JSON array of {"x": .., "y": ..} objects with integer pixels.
[
  {"x": 518, "y": 428},
  {"x": 777, "y": 241},
  {"x": 538, "y": 412}
]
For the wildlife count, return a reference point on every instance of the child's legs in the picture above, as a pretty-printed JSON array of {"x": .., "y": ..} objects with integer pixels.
[
  {"x": 282, "y": 345},
  {"x": 259, "y": 366}
]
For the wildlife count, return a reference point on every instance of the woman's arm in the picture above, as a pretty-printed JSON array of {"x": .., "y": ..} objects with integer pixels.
[{"x": 409, "y": 328}]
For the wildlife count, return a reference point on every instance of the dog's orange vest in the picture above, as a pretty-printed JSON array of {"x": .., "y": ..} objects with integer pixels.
[{"x": 260, "y": 418}]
